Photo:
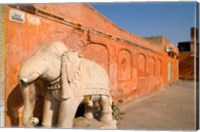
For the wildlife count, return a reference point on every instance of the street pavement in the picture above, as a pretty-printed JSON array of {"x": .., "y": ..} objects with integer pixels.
[{"x": 171, "y": 108}]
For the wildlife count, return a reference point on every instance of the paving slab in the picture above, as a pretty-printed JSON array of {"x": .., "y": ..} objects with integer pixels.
[{"x": 171, "y": 108}]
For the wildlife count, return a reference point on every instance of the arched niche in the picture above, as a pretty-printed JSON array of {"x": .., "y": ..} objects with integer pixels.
[
  {"x": 97, "y": 53},
  {"x": 159, "y": 67},
  {"x": 152, "y": 66},
  {"x": 141, "y": 62},
  {"x": 124, "y": 65}
]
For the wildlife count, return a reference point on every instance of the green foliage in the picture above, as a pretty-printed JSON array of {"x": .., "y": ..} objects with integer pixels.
[
  {"x": 120, "y": 101},
  {"x": 117, "y": 114}
]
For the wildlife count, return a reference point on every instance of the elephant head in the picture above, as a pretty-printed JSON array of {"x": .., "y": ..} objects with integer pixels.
[{"x": 44, "y": 64}]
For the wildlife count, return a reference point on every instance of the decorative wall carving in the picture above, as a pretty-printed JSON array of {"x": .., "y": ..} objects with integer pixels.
[
  {"x": 124, "y": 65},
  {"x": 152, "y": 66},
  {"x": 159, "y": 67},
  {"x": 141, "y": 65},
  {"x": 97, "y": 53}
]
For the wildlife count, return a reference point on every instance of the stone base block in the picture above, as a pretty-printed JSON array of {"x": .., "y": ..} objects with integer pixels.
[{"x": 82, "y": 122}]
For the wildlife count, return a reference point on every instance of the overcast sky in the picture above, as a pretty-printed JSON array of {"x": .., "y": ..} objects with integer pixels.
[{"x": 170, "y": 19}]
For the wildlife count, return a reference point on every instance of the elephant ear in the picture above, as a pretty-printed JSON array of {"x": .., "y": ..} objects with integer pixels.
[
  {"x": 65, "y": 89},
  {"x": 72, "y": 63}
]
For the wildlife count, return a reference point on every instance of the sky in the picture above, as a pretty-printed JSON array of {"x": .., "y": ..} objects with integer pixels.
[{"x": 170, "y": 19}]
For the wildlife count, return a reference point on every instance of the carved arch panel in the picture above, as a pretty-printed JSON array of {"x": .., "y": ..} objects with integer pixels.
[
  {"x": 152, "y": 66},
  {"x": 159, "y": 68},
  {"x": 141, "y": 62},
  {"x": 124, "y": 65},
  {"x": 97, "y": 53}
]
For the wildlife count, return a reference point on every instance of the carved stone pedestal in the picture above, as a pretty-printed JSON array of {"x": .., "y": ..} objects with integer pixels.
[{"x": 82, "y": 122}]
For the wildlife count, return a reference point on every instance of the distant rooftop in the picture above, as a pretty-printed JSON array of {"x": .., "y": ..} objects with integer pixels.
[{"x": 156, "y": 40}]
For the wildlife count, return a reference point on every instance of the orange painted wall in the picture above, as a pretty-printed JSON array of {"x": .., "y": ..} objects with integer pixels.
[
  {"x": 135, "y": 68},
  {"x": 173, "y": 59}
]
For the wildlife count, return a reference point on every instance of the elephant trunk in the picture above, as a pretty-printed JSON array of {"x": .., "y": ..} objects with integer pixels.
[
  {"x": 27, "y": 87},
  {"x": 28, "y": 93}
]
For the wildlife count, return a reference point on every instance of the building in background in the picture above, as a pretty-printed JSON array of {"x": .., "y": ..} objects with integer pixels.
[
  {"x": 170, "y": 52},
  {"x": 189, "y": 56},
  {"x": 136, "y": 66}
]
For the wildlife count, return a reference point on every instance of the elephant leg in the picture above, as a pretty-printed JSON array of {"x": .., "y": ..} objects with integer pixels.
[
  {"x": 50, "y": 111},
  {"x": 67, "y": 112},
  {"x": 88, "y": 113},
  {"x": 105, "y": 108}
]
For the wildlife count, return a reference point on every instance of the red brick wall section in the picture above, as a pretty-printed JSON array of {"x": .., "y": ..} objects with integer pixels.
[{"x": 186, "y": 66}]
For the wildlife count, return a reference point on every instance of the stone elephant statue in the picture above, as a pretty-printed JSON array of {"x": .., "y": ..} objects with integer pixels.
[{"x": 69, "y": 80}]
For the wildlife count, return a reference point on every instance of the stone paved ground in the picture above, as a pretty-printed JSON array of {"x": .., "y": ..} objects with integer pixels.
[{"x": 172, "y": 108}]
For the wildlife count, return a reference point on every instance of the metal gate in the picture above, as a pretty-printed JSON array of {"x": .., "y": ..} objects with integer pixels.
[{"x": 2, "y": 52}]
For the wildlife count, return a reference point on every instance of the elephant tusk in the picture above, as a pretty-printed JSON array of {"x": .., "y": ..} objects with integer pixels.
[
  {"x": 24, "y": 80},
  {"x": 30, "y": 78}
]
